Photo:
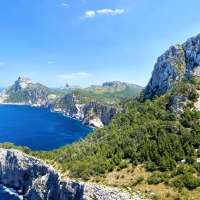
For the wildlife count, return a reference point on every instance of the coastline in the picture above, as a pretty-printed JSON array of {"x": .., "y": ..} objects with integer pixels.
[{"x": 42, "y": 106}]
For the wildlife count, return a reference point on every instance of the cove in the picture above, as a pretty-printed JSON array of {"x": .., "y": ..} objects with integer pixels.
[{"x": 38, "y": 128}]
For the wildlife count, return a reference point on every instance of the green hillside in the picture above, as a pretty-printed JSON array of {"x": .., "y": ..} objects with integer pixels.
[
  {"x": 147, "y": 136},
  {"x": 110, "y": 94}
]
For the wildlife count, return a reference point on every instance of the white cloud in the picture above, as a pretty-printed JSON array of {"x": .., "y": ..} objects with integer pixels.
[
  {"x": 109, "y": 11},
  {"x": 32, "y": 73},
  {"x": 50, "y": 62},
  {"x": 88, "y": 14},
  {"x": 73, "y": 75},
  {"x": 92, "y": 13},
  {"x": 65, "y": 5}
]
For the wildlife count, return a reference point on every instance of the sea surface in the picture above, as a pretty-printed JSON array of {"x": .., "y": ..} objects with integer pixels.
[{"x": 39, "y": 129}]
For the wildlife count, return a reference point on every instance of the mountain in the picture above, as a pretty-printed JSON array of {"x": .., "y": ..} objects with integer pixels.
[
  {"x": 153, "y": 145},
  {"x": 69, "y": 88},
  {"x": 177, "y": 63},
  {"x": 114, "y": 91},
  {"x": 111, "y": 92},
  {"x": 90, "y": 110},
  {"x": 25, "y": 91}
]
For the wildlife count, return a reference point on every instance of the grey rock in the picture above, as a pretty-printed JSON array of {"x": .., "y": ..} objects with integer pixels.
[
  {"x": 39, "y": 181},
  {"x": 178, "y": 62}
]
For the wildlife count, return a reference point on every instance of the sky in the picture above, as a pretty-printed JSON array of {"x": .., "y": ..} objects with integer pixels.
[{"x": 88, "y": 42}]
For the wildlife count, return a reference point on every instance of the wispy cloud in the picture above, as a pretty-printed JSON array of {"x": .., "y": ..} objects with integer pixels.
[
  {"x": 109, "y": 11},
  {"x": 50, "y": 62},
  {"x": 88, "y": 14},
  {"x": 73, "y": 75},
  {"x": 32, "y": 73},
  {"x": 65, "y": 5},
  {"x": 92, "y": 13},
  {"x": 1, "y": 63}
]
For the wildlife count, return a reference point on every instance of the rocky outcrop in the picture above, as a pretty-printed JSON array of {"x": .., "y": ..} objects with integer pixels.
[
  {"x": 25, "y": 91},
  {"x": 180, "y": 61},
  {"x": 90, "y": 112},
  {"x": 38, "y": 181}
]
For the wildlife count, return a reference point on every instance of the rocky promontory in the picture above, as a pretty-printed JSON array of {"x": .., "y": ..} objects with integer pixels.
[
  {"x": 82, "y": 107},
  {"x": 177, "y": 63},
  {"x": 76, "y": 104},
  {"x": 36, "y": 180}
]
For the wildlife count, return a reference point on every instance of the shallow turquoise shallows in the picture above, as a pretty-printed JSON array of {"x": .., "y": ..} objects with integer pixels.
[{"x": 38, "y": 128}]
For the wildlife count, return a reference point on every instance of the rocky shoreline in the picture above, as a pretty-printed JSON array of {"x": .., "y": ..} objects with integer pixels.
[{"x": 36, "y": 180}]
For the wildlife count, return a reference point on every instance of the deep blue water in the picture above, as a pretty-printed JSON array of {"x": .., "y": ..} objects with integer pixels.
[{"x": 38, "y": 128}]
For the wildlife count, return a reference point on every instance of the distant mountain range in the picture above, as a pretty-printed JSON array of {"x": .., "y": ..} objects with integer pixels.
[{"x": 110, "y": 92}]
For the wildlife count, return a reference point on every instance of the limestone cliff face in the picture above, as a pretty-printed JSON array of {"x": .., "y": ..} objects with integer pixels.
[
  {"x": 25, "y": 91},
  {"x": 91, "y": 112},
  {"x": 38, "y": 181},
  {"x": 176, "y": 63}
]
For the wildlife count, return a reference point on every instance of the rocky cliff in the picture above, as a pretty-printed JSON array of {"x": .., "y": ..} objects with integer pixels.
[
  {"x": 177, "y": 63},
  {"x": 76, "y": 104},
  {"x": 38, "y": 181},
  {"x": 83, "y": 107},
  {"x": 25, "y": 91}
]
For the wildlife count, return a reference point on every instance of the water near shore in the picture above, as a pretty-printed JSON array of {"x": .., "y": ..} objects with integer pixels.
[
  {"x": 38, "y": 128},
  {"x": 9, "y": 194}
]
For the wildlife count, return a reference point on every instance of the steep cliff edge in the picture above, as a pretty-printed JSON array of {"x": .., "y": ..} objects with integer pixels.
[
  {"x": 177, "y": 63},
  {"x": 90, "y": 110},
  {"x": 38, "y": 181},
  {"x": 85, "y": 108}
]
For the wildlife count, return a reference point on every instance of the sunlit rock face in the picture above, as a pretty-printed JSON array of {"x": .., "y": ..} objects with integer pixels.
[
  {"x": 22, "y": 82},
  {"x": 177, "y": 62},
  {"x": 36, "y": 180}
]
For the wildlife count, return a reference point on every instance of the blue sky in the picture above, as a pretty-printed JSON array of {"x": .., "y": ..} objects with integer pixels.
[{"x": 87, "y": 42}]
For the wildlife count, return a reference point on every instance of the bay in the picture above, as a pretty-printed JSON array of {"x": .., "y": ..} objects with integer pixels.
[{"x": 38, "y": 128}]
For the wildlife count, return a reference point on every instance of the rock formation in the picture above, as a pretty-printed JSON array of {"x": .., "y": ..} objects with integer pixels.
[
  {"x": 38, "y": 181},
  {"x": 178, "y": 62},
  {"x": 25, "y": 91},
  {"x": 91, "y": 112}
]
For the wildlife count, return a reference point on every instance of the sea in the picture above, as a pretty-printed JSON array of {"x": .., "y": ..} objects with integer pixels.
[{"x": 39, "y": 129}]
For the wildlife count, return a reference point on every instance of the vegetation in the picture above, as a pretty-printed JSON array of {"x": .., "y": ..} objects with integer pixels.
[
  {"x": 149, "y": 135},
  {"x": 108, "y": 94}
]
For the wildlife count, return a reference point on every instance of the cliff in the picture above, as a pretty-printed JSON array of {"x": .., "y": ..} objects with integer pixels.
[
  {"x": 38, "y": 181},
  {"x": 85, "y": 108},
  {"x": 25, "y": 91},
  {"x": 92, "y": 111},
  {"x": 177, "y": 63}
]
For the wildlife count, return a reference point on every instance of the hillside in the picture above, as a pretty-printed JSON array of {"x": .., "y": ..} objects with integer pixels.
[
  {"x": 25, "y": 91},
  {"x": 115, "y": 91},
  {"x": 110, "y": 92},
  {"x": 153, "y": 146},
  {"x": 155, "y": 142},
  {"x": 91, "y": 110}
]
